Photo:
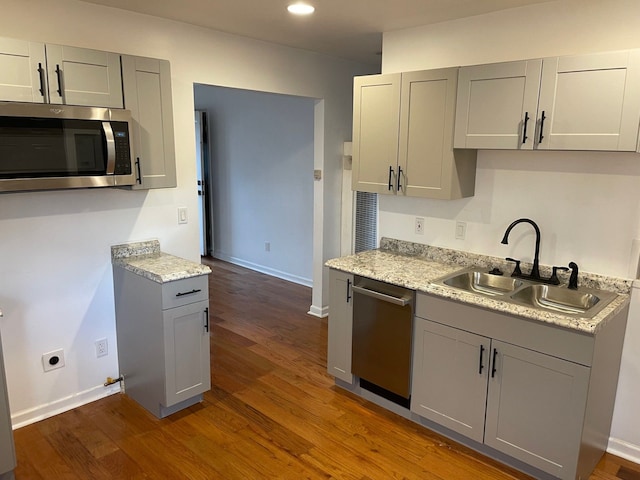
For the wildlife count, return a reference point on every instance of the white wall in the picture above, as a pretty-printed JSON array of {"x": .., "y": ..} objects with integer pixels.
[
  {"x": 261, "y": 148},
  {"x": 587, "y": 204},
  {"x": 55, "y": 269}
]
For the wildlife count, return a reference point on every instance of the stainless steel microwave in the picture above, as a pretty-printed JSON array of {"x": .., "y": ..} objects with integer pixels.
[{"x": 44, "y": 147}]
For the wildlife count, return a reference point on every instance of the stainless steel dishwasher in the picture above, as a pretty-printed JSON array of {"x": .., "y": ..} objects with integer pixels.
[{"x": 382, "y": 332}]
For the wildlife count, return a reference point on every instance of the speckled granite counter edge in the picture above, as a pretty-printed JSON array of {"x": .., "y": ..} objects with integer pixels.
[
  {"x": 417, "y": 266},
  {"x": 146, "y": 259}
]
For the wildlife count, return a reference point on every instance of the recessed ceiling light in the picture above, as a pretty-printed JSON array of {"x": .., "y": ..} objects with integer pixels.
[{"x": 301, "y": 8}]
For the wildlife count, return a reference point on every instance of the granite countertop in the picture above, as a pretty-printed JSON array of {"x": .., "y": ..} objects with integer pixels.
[
  {"x": 146, "y": 259},
  {"x": 417, "y": 266}
]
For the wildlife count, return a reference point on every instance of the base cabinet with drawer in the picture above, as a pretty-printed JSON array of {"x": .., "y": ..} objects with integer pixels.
[
  {"x": 163, "y": 340},
  {"x": 541, "y": 394}
]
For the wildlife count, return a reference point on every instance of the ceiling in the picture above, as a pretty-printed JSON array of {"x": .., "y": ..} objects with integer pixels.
[{"x": 350, "y": 29}]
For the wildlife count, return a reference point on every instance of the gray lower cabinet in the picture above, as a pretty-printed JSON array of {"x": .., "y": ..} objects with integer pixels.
[
  {"x": 163, "y": 340},
  {"x": 340, "y": 325},
  {"x": 147, "y": 93},
  {"x": 7, "y": 449},
  {"x": 450, "y": 374},
  {"x": 541, "y": 394}
]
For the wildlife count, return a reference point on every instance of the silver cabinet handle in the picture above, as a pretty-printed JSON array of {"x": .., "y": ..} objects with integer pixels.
[
  {"x": 403, "y": 301},
  {"x": 111, "y": 147}
]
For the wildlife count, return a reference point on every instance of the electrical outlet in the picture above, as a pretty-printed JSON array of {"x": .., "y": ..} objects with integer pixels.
[
  {"x": 419, "y": 226},
  {"x": 267, "y": 246},
  {"x": 53, "y": 360},
  {"x": 102, "y": 347}
]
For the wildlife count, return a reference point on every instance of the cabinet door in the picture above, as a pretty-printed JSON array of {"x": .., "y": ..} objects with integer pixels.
[
  {"x": 450, "y": 371},
  {"x": 497, "y": 104},
  {"x": 186, "y": 343},
  {"x": 590, "y": 102},
  {"x": 7, "y": 450},
  {"x": 425, "y": 158},
  {"x": 340, "y": 325},
  {"x": 79, "y": 76},
  {"x": 535, "y": 408},
  {"x": 376, "y": 113},
  {"x": 147, "y": 93},
  {"x": 22, "y": 71}
]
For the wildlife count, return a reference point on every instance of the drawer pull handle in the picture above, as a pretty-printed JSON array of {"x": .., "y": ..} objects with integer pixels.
[{"x": 182, "y": 294}]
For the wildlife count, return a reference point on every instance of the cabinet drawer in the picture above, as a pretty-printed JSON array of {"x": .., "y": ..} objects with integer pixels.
[{"x": 185, "y": 291}]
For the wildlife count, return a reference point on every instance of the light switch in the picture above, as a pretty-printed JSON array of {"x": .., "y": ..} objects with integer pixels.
[
  {"x": 461, "y": 230},
  {"x": 182, "y": 215}
]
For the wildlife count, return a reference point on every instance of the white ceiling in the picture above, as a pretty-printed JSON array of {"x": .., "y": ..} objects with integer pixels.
[{"x": 349, "y": 29}]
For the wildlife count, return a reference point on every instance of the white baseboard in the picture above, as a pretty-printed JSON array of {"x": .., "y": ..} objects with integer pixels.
[
  {"x": 32, "y": 415},
  {"x": 319, "y": 311},
  {"x": 623, "y": 449},
  {"x": 307, "y": 282}
]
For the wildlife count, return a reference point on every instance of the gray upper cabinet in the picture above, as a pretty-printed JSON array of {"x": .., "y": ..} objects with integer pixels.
[
  {"x": 590, "y": 102},
  {"x": 147, "y": 93},
  {"x": 403, "y": 136},
  {"x": 497, "y": 104},
  {"x": 376, "y": 117},
  {"x": 22, "y": 71},
  {"x": 7, "y": 449},
  {"x": 44, "y": 73},
  {"x": 581, "y": 102},
  {"x": 80, "y": 76}
]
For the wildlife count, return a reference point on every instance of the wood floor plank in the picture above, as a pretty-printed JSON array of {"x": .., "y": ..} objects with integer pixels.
[{"x": 272, "y": 412}]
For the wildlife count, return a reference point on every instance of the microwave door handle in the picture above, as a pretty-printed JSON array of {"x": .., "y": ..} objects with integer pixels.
[{"x": 111, "y": 147}]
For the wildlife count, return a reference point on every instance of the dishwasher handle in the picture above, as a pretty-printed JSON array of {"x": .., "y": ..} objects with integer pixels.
[{"x": 402, "y": 301}]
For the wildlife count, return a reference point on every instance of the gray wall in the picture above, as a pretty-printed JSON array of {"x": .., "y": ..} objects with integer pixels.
[{"x": 261, "y": 150}]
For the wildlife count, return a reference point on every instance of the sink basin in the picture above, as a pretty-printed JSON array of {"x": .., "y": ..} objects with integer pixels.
[
  {"x": 581, "y": 303},
  {"x": 480, "y": 282},
  {"x": 562, "y": 300}
]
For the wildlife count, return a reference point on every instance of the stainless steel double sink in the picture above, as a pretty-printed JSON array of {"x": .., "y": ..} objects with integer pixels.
[{"x": 580, "y": 303}]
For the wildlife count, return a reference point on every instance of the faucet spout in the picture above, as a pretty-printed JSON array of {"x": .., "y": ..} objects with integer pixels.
[{"x": 535, "y": 270}]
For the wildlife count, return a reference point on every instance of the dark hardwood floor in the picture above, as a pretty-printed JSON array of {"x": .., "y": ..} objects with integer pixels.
[{"x": 272, "y": 412}]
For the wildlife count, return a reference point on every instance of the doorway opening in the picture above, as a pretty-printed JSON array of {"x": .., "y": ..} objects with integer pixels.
[{"x": 256, "y": 179}]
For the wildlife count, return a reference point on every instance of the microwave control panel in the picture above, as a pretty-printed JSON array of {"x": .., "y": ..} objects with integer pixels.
[{"x": 123, "y": 148}]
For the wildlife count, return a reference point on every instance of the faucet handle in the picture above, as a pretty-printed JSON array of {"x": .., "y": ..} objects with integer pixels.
[
  {"x": 573, "y": 279},
  {"x": 516, "y": 271},
  {"x": 553, "y": 279}
]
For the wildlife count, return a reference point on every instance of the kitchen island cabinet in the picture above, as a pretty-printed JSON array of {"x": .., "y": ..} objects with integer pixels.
[
  {"x": 7, "y": 449},
  {"x": 162, "y": 324},
  {"x": 403, "y": 136}
]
